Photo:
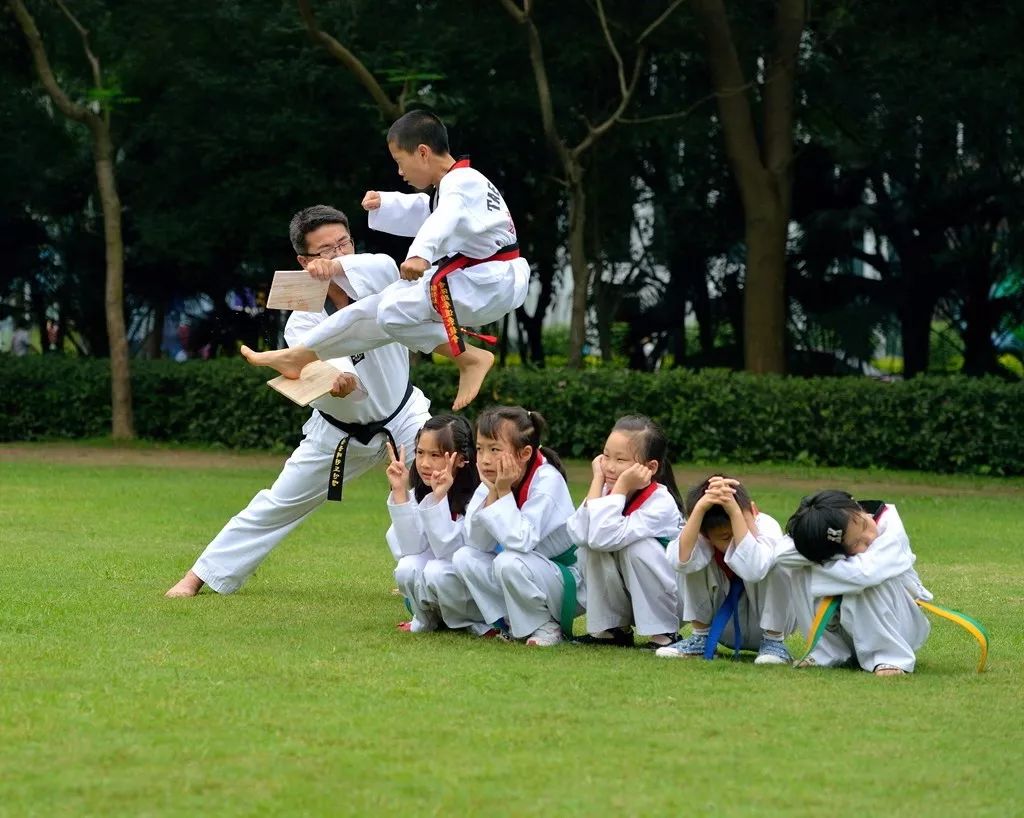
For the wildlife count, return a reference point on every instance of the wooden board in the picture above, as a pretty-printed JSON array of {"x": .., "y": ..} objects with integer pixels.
[
  {"x": 314, "y": 382},
  {"x": 297, "y": 290}
]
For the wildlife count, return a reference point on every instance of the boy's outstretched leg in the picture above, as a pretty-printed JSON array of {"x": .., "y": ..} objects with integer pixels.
[
  {"x": 289, "y": 361},
  {"x": 188, "y": 585},
  {"x": 474, "y": 364}
]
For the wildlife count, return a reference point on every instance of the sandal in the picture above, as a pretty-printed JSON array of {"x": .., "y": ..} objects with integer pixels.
[
  {"x": 650, "y": 644},
  {"x": 620, "y": 638}
]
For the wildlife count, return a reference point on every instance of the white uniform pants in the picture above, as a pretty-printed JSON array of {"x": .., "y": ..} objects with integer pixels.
[
  {"x": 349, "y": 331},
  {"x": 635, "y": 585},
  {"x": 436, "y": 593},
  {"x": 525, "y": 588},
  {"x": 409, "y": 578},
  {"x": 764, "y": 605},
  {"x": 234, "y": 554},
  {"x": 403, "y": 312},
  {"x": 880, "y": 625}
]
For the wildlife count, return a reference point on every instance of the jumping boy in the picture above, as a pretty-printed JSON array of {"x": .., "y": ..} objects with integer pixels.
[{"x": 462, "y": 231}]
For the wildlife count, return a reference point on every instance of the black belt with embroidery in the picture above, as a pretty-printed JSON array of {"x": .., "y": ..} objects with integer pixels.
[{"x": 362, "y": 432}]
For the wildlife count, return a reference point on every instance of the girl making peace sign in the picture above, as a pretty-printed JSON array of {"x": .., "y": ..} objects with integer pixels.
[{"x": 427, "y": 507}]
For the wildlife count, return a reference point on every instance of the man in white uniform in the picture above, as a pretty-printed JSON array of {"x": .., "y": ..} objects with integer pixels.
[
  {"x": 462, "y": 233},
  {"x": 372, "y": 403}
]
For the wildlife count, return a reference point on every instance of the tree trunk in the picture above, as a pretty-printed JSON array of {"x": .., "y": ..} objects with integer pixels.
[
  {"x": 979, "y": 351},
  {"x": 580, "y": 269},
  {"x": 503, "y": 341},
  {"x": 916, "y": 332},
  {"x": 764, "y": 297},
  {"x": 155, "y": 336},
  {"x": 123, "y": 425},
  {"x": 763, "y": 173},
  {"x": 531, "y": 327},
  {"x": 103, "y": 157}
]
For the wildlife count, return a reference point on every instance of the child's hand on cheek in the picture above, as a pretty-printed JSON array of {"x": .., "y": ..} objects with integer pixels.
[
  {"x": 597, "y": 466},
  {"x": 508, "y": 473},
  {"x": 634, "y": 478}
]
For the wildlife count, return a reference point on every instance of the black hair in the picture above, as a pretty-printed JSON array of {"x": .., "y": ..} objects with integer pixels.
[
  {"x": 419, "y": 128},
  {"x": 527, "y": 428},
  {"x": 650, "y": 443},
  {"x": 306, "y": 221},
  {"x": 815, "y": 523},
  {"x": 716, "y": 516},
  {"x": 455, "y": 435}
]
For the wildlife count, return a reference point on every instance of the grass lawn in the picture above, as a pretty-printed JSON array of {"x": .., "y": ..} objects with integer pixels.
[{"x": 297, "y": 695}]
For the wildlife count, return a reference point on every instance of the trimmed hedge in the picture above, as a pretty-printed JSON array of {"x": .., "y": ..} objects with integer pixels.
[{"x": 943, "y": 424}]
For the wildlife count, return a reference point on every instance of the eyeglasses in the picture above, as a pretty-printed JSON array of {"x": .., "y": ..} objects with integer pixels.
[{"x": 333, "y": 250}]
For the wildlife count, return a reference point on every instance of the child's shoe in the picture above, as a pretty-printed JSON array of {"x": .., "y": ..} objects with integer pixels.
[
  {"x": 772, "y": 652},
  {"x": 616, "y": 637},
  {"x": 670, "y": 640},
  {"x": 548, "y": 634},
  {"x": 692, "y": 647},
  {"x": 415, "y": 626},
  {"x": 498, "y": 630}
]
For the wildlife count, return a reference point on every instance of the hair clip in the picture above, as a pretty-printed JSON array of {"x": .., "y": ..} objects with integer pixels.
[{"x": 834, "y": 535}]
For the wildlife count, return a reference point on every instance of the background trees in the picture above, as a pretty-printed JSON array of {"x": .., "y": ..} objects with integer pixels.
[{"x": 898, "y": 138}]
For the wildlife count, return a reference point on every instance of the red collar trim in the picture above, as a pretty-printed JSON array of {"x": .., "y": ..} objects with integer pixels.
[
  {"x": 524, "y": 487},
  {"x": 720, "y": 559},
  {"x": 639, "y": 498}
]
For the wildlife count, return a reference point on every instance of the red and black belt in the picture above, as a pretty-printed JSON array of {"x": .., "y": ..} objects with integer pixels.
[{"x": 441, "y": 295}]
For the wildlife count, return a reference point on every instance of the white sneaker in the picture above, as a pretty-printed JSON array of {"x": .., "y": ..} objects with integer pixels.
[{"x": 548, "y": 634}]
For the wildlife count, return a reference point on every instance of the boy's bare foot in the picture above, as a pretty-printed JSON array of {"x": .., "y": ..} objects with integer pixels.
[
  {"x": 288, "y": 362},
  {"x": 473, "y": 364},
  {"x": 188, "y": 585}
]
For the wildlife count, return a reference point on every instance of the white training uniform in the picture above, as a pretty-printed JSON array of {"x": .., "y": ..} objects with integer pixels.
[
  {"x": 878, "y": 621},
  {"x": 770, "y": 552},
  {"x": 466, "y": 216},
  {"x": 424, "y": 537},
  {"x": 383, "y": 377},
  {"x": 521, "y": 583},
  {"x": 629, "y": 579},
  {"x": 703, "y": 585}
]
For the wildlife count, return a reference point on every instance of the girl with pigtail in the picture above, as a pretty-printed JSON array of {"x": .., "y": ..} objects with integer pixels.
[
  {"x": 629, "y": 516},
  {"x": 519, "y": 561}
]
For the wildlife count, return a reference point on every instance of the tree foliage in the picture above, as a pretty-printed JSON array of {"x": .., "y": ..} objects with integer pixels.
[{"x": 906, "y": 168}]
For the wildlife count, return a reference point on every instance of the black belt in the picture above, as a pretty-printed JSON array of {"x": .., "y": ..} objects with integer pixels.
[{"x": 362, "y": 432}]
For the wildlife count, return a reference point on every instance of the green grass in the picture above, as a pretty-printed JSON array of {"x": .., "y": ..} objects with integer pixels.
[{"x": 297, "y": 696}]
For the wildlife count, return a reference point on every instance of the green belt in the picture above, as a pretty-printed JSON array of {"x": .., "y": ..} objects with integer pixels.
[{"x": 563, "y": 561}]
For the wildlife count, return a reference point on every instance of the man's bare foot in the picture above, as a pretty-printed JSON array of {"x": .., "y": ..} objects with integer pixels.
[
  {"x": 288, "y": 361},
  {"x": 188, "y": 585},
  {"x": 473, "y": 364}
]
